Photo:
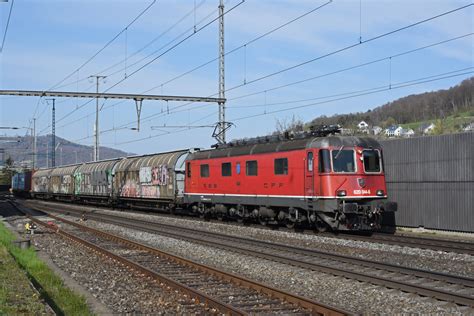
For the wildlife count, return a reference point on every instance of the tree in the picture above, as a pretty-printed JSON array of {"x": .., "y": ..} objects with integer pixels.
[
  {"x": 440, "y": 127},
  {"x": 389, "y": 122},
  {"x": 7, "y": 174},
  {"x": 294, "y": 125}
]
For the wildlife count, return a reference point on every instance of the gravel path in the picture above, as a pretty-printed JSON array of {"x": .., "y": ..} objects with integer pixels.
[
  {"x": 336, "y": 291},
  {"x": 440, "y": 261},
  {"x": 121, "y": 290}
]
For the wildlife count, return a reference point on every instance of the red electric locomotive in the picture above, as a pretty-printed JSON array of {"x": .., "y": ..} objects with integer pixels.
[{"x": 332, "y": 182}]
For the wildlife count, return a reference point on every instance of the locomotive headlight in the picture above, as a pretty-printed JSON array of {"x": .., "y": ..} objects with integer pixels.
[
  {"x": 380, "y": 193},
  {"x": 341, "y": 193}
]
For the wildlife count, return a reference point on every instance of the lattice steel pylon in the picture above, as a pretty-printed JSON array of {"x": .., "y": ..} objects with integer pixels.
[{"x": 222, "y": 126}]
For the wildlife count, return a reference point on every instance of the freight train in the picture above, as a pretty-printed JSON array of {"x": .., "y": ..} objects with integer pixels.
[{"x": 317, "y": 179}]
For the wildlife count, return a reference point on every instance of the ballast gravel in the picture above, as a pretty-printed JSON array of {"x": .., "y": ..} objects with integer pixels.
[
  {"x": 439, "y": 261},
  {"x": 120, "y": 289},
  {"x": 336, "y": 291}
]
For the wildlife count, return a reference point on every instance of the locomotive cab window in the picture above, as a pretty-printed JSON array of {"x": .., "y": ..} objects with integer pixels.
[
  {"x": 324, "y": 161},
  {"x": 205, "y": 171},
  {"x": 343, "y": 160},
  {"x": 226, "y": 169},
  {"x": 281, "y": 166},
  {"x": 310, "y": 161},
  {"x": 371, "y": 158},
  {"x": 188, "y": 166},
  {"x": 251, "y": 168}
]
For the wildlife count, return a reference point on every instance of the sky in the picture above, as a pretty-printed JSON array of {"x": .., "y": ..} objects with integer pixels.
[{"x": 48, "y": 41}]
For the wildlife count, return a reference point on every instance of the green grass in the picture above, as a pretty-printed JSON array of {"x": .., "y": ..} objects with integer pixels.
[
  {"x": 66, "y": 301},
  {"x": 452, "y": 123},
  {"x": 16, "y": 295}
]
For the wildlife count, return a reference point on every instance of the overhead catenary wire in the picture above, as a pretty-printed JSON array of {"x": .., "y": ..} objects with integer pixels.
[
  {"x": 374, "y": 38},
  {"x": 328, "y": 54},
  {"x": 154, "y": 40},
  {"x": 383, "y": 88},
  {"x": 337, "y": 97},
  {"x": 106, "y": 44},
  {"x": 374, "y": 61},
  {"x": 395, "y": 86},
  {"x": 177, "y": 109},
  {"x": 173, "y": 46},
  {"x": 306, "y": 13},
  {"x": 98, "y": 52},
  {"x": 173, "y": 132},
  {"x": 118, "y": 71},
  {"x": 214, "y": 59},
  {"x": 273, "y": 30},
  {"x": 328, "y": 96},
  {"x": 320, "y": 76},
  {"x": 6, "y": 27}
]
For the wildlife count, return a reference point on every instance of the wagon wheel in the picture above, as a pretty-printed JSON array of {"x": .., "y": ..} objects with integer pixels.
[
  {"x": 290, "y": 224},
  {"x": 262, "y": 221},
  {"x": 320, "y": 226}
]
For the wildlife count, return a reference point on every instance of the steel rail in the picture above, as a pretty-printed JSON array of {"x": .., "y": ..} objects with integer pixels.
[
  {"x": 413, "y": 242},
  {"x": 428, "y": 243},
  {"x": 402, "y": 241},
  {"x": 316, "y": 308},
  {"x": 384, "y": 281},
  {"x": 199, "y": 297},
  {"x": 305, "y": 251}
]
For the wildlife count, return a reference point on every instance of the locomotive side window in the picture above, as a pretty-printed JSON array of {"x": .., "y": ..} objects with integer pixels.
[
  {"x": 251, "y": 168},
  {"x": 226, "y": 169},
  {"x": 324, "y": 161},
  {"x": 189, "y": 169},
  {"x": 237, "y": 168},
  {"x": 205, "y": 171},
  {"x": 343, "y": 160},
  {"x": 281, "y": 166},
  {"x": 371, "y": 160},
  {"x": 310, "y": 161}
]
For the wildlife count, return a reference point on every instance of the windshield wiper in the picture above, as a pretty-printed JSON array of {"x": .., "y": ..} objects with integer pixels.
[{"x": 338, "y": 152}]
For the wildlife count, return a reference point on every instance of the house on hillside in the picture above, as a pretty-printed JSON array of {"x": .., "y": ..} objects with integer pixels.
[
  {"x": 469, "y": 127},
  {"x": 398, "y": 131},
  {"x": 427, "y": 128},
  {"x": 362, "y": 125},
  {"x": 390, "y": 132},
  {"x": 376, "y": 130},
  {"x": 407, "y": 132}
]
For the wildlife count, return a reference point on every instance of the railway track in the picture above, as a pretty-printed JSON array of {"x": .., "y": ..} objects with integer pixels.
[
  {"x": 221, "y": 291},
  {"x": 436, "y": 244},
  {"x": 444, "y": 287},
  {"x": 414, "y": 242}
]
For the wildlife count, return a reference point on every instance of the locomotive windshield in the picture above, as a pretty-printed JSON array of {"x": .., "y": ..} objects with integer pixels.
[
  {"x": 343, "y": 160},
  {"x": 371, "y": 160}
]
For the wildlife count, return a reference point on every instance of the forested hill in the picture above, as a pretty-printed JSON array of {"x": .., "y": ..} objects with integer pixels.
[{"x": 413, "y": 108}]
